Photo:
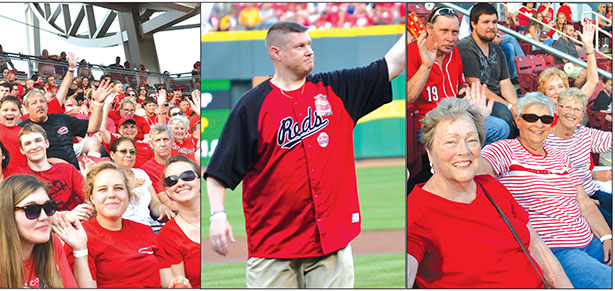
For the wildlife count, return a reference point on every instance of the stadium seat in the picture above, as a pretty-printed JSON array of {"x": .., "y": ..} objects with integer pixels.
[
  {"x": 414, "y": 150},
  {"x": 525, "y": 72},
  {"x": 597, "y": 120}
]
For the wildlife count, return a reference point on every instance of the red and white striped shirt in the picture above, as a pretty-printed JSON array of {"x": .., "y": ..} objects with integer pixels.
[
  {"x": 545, "y": 187},
  {"x": 579, "y": 147}
]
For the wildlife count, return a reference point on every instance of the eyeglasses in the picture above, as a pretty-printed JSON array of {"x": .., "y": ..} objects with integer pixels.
[
  {"x": 175, "y": 114},
  {"x": 33, "y": 211},
  {"x": 187, "y": 176},
  {"x": 443, "y": 11},
  {"x": 125, "y": 151},
  {"x": 531, "y": 118},
  {"x": 132, "y": 94},
  {"x": 573, "y": 109}
]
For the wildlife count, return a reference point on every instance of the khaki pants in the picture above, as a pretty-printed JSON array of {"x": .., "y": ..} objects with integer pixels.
[{"x": 334, "y": 270}]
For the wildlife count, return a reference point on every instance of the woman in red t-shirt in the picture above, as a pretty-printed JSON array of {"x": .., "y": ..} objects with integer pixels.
[
  {"x": 121, "y": 253},
  {"x": 180, "y": 237},
  {"x": 520, "y": 16},
  {"x": 30, "y": 256},
  {"x": 183, "y": 142}
]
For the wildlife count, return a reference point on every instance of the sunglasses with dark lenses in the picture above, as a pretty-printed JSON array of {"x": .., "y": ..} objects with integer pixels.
[
  {"x": 33, "y": 211},
  {"x": 187, "y": 176},
  {"x": 125, "y": 151},
  {"x": 531, "y": 118},
  {"x": 443, "y": 11}
]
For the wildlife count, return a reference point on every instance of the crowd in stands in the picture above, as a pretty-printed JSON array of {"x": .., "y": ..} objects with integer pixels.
[
  {"x": 113, "y": 166},
  {"x": 260, "y": 16},
  {"x": 487, "y": 144}
]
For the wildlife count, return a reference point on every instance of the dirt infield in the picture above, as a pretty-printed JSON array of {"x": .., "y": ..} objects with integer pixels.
[{"x": 368, "y": 242}]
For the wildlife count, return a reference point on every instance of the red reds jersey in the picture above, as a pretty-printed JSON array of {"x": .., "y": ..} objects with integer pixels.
[
  {"x": 443, "y": 82},
  {"x": 294, "y": 152}
]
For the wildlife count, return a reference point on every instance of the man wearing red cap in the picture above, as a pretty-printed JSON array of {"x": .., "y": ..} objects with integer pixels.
[
  {"x": 127, "y": 109},
  {"x": 128, "y": 128}
]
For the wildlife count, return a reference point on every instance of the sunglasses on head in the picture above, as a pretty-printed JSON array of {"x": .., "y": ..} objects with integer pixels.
[
  {"x": 33, "y": 211},
  {"x": 531, "y": 118},
  {"x": 443, "y": 11},
  {"x": 187, "y": 176}
]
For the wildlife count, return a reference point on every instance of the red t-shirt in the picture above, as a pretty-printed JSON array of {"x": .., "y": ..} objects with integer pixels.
[
  {"x": 567, "y": 11},
  {"x": 186, "y": 148},
  {"x": 524, "y": 20},
  {"x": 11, "y": 143},
  {"x": 144, "y": 151},
  {"x": 66, "y": 185},
  {"x": 179, "y": 248},
  {"x": 440, "y": 83},
  {"x": 127, "y": 258},
  {"x": 461, "y": 245},
  {"x": 154, "y": 170},
  {"x": 547, "y": 18},
  {"x": 68, "y": 281},
  {"x": 142, "y": 125}
]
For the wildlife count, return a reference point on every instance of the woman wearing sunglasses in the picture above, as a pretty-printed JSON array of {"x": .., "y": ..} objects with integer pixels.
[
  {"x": 121, "y": 253},
  {"x": 180, "y": 237},
  {"x": 544, "y": 182},
  {"x": 145, "y": 203},
  {"x": 30, "y": 256}
]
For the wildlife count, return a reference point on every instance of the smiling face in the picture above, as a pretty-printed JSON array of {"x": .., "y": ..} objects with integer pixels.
[
  {"x": 296, "y": 55},
  {"x": 444, "y": 31},
  {"x": 570, "y": 113},
  {"x": 34, "y": 146},
  {"x": 128, "y": 129},
  {"x": 179, "y": 130},
  {"x": 532, "y": 134},
  {"x": 110, "y": 195},
  {"x": 33, "y": 231},
  {"x": 124, "y": 155},
  {"x": 184, "y": 192},
  {"x": 9, "y": 114},
  {"x": 127, "y": 110},
  {"x": 553, "y": 86},
  {"x": 486, "y": 28},
  {"x": 455, "y": 150}
]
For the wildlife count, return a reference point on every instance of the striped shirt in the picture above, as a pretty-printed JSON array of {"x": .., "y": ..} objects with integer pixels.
[
  {"x": 579, "y": 147},
  {"x": 545, "y": 187}
]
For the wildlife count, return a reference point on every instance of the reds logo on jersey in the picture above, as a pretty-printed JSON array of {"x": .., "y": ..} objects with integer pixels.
[
  {"x": 63, "y": 130},
  {"x": 291, "y": 133}
]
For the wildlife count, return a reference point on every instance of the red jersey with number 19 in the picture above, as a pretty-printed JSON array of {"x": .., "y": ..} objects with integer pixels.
[
  {"x": 294, "y": 152},
  {"x": 443, "y": 82}
]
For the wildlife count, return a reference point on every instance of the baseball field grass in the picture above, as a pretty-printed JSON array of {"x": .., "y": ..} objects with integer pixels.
[{"x": 382, "y": 201}]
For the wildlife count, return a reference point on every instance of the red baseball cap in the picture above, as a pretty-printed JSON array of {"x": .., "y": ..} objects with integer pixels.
[
  {"x": 125, "y": 119},
  {"x": 12, "y": 72}
]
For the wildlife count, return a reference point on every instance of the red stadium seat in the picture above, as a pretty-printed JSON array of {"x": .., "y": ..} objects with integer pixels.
[
  {"x": 525, "y": 72},
  {"x": 414, "y": 150}
]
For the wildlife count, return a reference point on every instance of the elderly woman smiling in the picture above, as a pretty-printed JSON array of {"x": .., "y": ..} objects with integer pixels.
[
  {"x": 544, "y": 182},
  {"x": 578, "y": 142},
  {"x": 451, "y": 218}
]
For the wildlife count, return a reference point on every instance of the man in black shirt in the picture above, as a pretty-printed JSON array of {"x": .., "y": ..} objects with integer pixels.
[{"x": 61, "y": 128}]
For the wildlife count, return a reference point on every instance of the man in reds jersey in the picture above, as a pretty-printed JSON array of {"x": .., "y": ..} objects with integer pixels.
[
  {"x": 435, "y": 70},
  {"x": 290, "y": 140}
]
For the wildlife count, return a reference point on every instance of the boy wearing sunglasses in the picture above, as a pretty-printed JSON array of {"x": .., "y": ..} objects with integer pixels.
[{"x": 66, "y": 185}]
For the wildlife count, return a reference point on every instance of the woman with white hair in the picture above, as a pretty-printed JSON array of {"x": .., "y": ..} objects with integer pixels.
[
  {"x": 183, "y": 142},
  {"x": 579, "y": 142},
  {"x": 544, "y": 183}
]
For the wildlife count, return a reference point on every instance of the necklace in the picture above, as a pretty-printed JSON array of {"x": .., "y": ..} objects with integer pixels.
[
  {"x": 282, "y": 91},
  {"x": 197, "y": 226}
]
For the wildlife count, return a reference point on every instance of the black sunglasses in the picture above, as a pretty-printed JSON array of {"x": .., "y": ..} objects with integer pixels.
[
  {"x": 187, "y": 176},
  {"x": 33, "y": 211},
  {"x": 125, "y": 151},
  {"x": 531, "y": 118},
  {"x": 443, "y": 11}
]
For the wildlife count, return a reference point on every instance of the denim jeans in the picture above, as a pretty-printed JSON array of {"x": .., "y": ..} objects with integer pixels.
[
  {"x": 501, "y": 111},
  {"x": 606, "y": 205},
  {"x": 511, "y": 49},
  {"x": 497, "y": 129},
  {"x": 584, "y": 266}
]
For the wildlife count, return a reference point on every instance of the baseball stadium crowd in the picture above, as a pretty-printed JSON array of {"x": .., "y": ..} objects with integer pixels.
[
  {"x": 260, "y": 16},
  {"x": 100, "y": 178},
  {"x": 505, "y": 189}
]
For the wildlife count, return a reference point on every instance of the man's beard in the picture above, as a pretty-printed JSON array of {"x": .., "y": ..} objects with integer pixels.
[{"x": 485, "y": 38}]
